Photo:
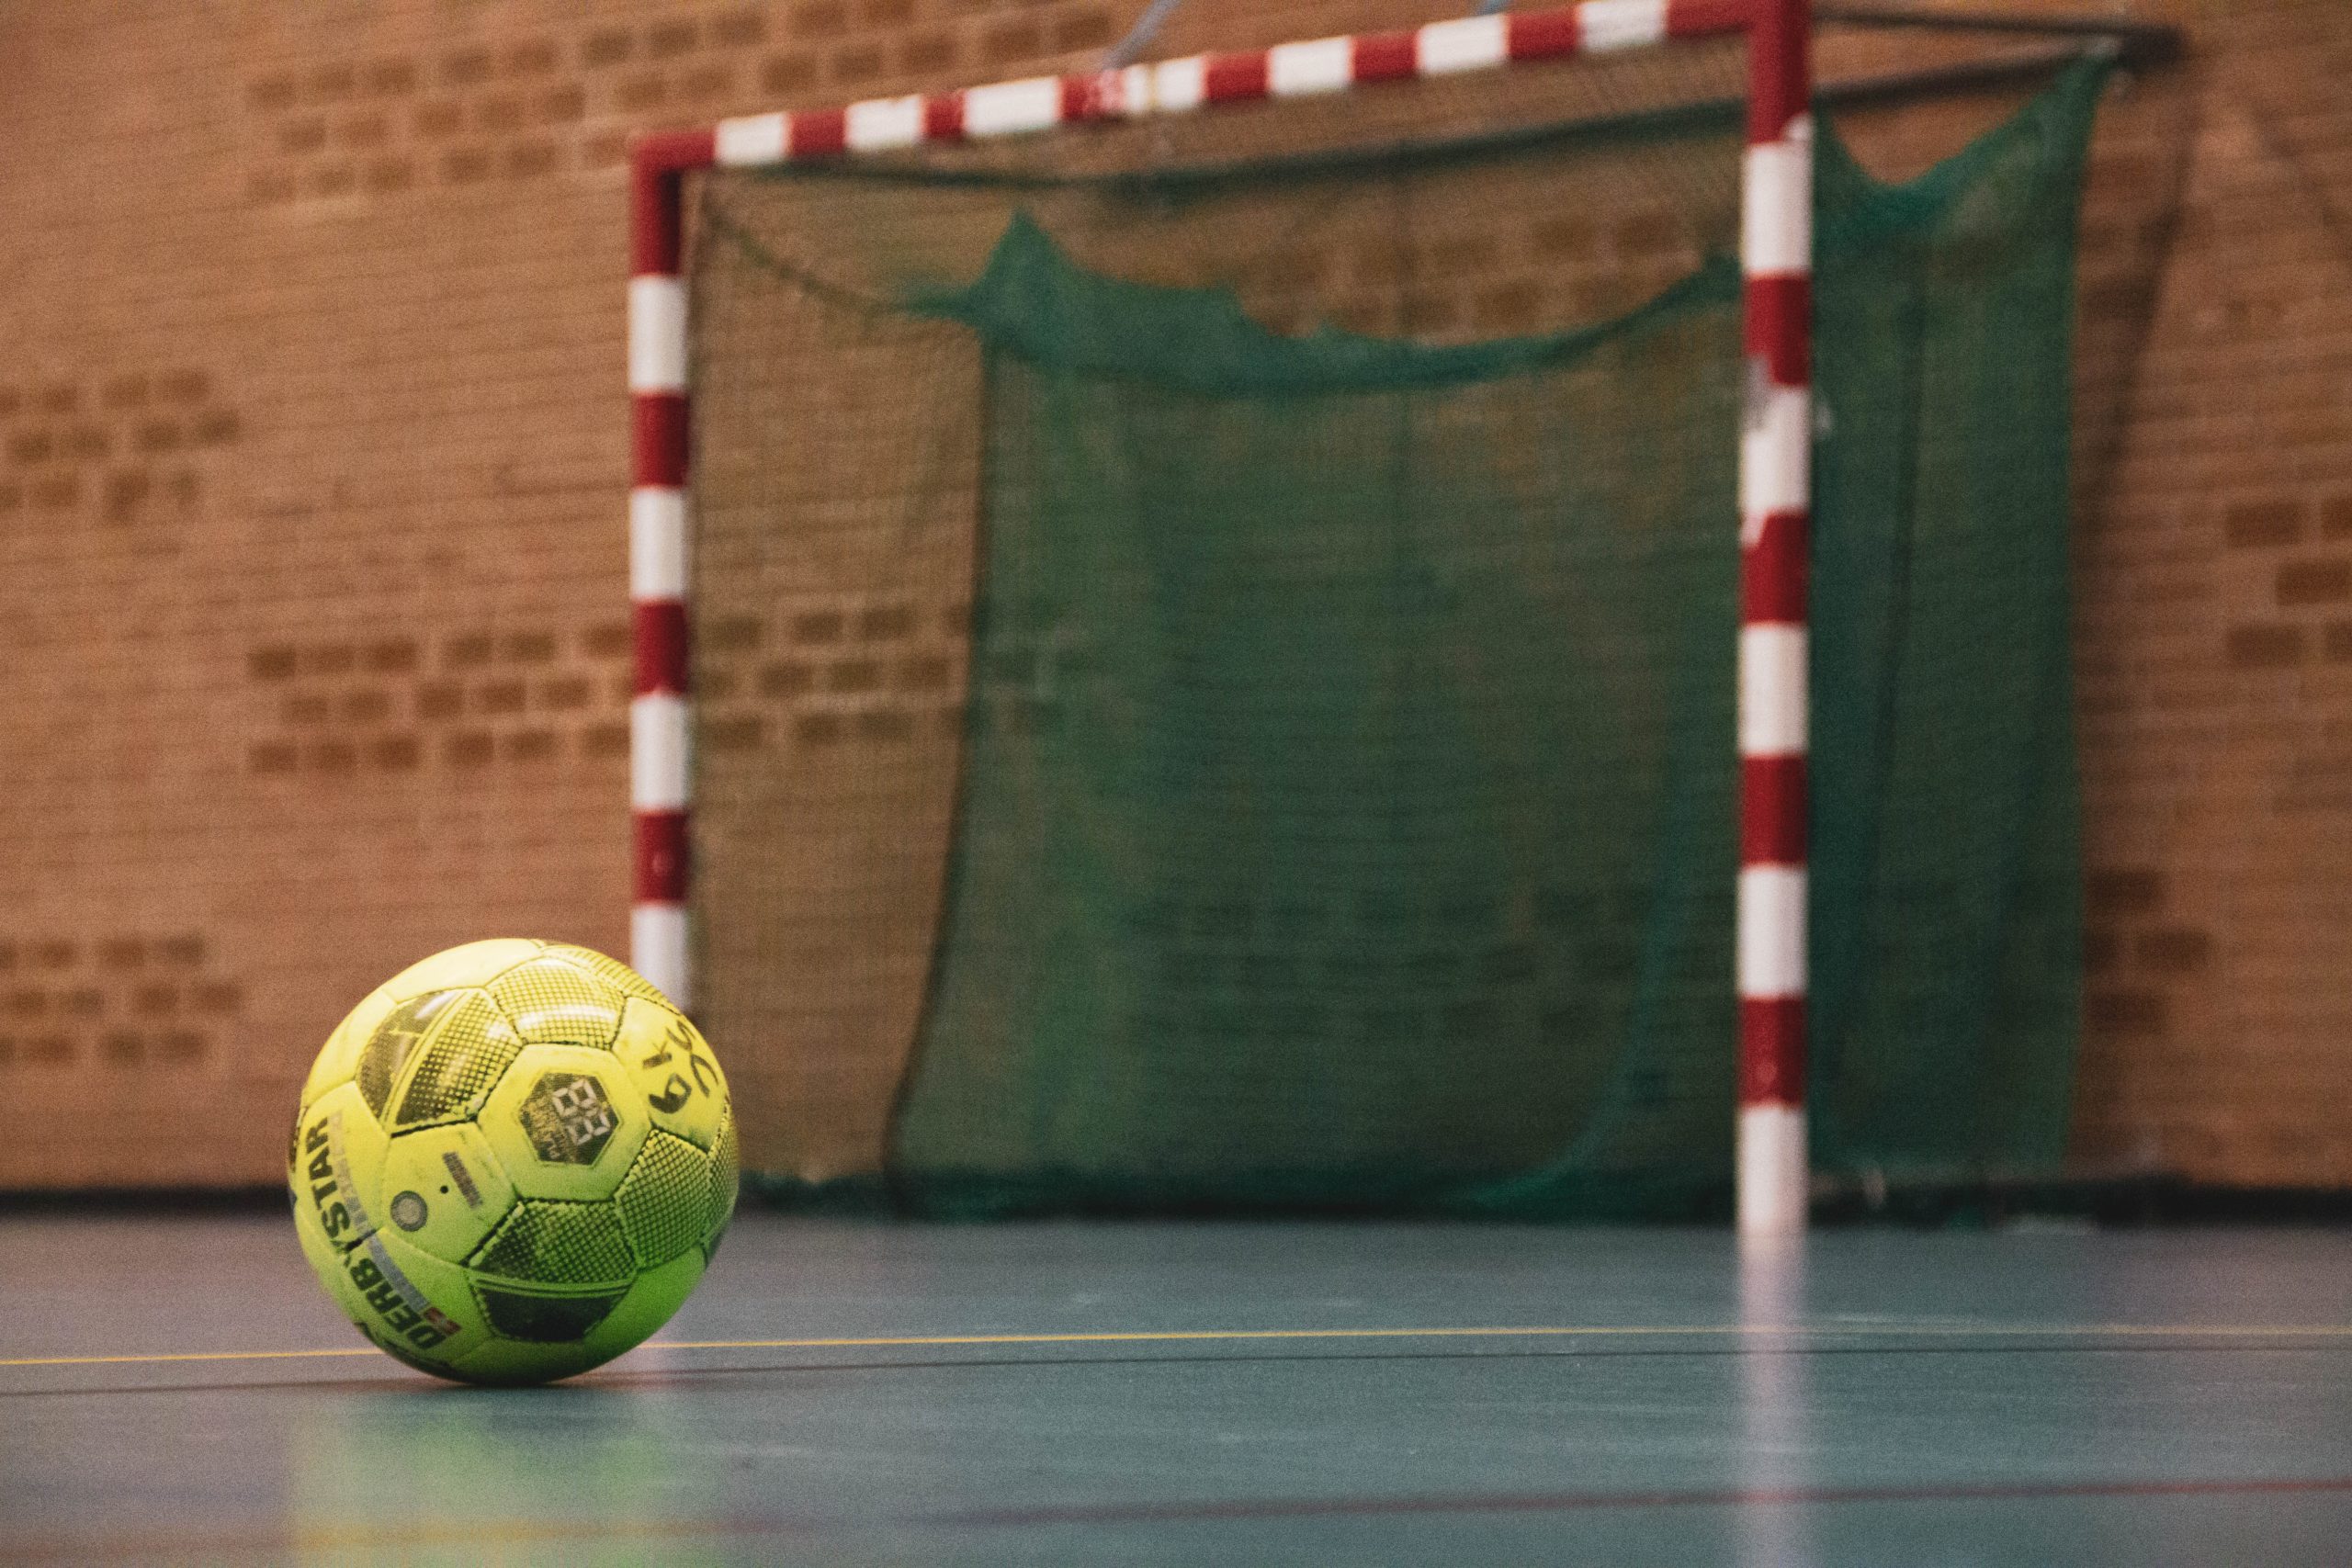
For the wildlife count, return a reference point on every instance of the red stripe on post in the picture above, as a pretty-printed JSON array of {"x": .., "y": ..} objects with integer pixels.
[
  {"x": 661, "y": 870},
  {"x": 1771, "y": 811},
  {"x": 1779, "y": 40},
  {"x": 943, "y": 117},
  {"x": 674, "y": 152},
  {"x": 1231, "y": 77},
  {"x": 1772, "y": 572},
  {"x": 657, "y": 228},
  {"x": 1703, "y": 19},
  {"x": 818, "y": 133},
  {"x": 1542, "y": 35},
  {"x": 1382, "y": 57},
  {"x": 1771, "y": 1050},
  {"x": 659, "y": 438},
  {"x": 663, "y": 660},
  {"x": 1085, "y": 98},
  {"x": 1780, "y": 328}
]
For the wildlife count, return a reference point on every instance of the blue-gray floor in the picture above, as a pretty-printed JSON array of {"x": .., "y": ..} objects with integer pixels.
[{"x": 2011, "y": 1398}]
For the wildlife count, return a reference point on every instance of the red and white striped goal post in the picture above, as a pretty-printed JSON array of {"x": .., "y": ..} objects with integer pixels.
[{"x": 1775, "y": 484}]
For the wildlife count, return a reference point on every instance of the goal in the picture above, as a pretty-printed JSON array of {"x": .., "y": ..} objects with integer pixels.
[{"x": 1097, "y": 304}]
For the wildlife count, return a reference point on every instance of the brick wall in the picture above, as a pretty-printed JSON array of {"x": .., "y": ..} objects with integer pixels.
[
  {"x": 2214, "y": 565},
  {"x": 312, "y": 452}
]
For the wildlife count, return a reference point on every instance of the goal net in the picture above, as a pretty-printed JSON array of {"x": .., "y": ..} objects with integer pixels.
[{"x": 1214, "y": 648}]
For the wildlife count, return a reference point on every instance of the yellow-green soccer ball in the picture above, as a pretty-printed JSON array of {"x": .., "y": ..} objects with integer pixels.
[{"x": 513, "y": 1162}]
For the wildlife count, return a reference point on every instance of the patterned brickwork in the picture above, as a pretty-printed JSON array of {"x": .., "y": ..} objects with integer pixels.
[
  {"x": 122, "y": 1003},
  {"x": 312, "y": 451},
  {"x": 543, "y": 105},
  {"x": 2214, "y": 569},
  {"x": 132, "y": 451},
  {"x": 388, "y": 704},
  {"x": 877, "y": 674}
]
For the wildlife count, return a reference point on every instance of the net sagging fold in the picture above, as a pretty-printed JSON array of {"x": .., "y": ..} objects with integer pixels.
[{"x": 1216, "y": 683}]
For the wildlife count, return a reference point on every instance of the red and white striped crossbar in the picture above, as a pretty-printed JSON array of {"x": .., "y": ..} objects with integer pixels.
[{"x": 1773, "y": 456}]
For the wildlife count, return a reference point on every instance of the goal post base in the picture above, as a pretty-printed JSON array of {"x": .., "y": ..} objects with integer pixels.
[{"x": 1772, "y": 1172}]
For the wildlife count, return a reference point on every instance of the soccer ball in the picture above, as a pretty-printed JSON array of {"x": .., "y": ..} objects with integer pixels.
[{"x": 513, "y": 1162}]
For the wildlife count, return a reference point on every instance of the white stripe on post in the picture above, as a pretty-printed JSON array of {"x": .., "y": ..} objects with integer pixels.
[
  {"x": 1134, "y": 94},
  {"x": 751, "y": 142},
  {"x": 1466, "y": 43},
  {"x": 657, "y": 334},
  {"x": 1771, "y": 958},
  {"x": 1772, "y": 699},
  {"x": 1603, "y": 25},
  {"x": 1772, "y": 1170},
  {"x": 875, "y": 125},
  {"x": 658, "y": 558},
  {"x": 1007, "y": 109},
  {"x": 1321, "y": 65},
  {"x": 1776, "y": 456},
  {"x": 1776, "y": 220},
  {"x": 1179, "y": 86},
  {"x": 657, "y": 948},
  {"x": 656, "y": 752}
]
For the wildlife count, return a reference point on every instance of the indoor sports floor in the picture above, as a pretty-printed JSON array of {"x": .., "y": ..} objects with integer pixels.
[{"x": 178, "y": 1389}]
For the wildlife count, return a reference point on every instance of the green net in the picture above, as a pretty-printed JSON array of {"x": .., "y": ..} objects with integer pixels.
[{"x": 1217, "y": 680}]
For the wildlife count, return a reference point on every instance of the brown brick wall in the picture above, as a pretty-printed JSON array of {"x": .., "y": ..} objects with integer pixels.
[{"x": 311, "y": 463}]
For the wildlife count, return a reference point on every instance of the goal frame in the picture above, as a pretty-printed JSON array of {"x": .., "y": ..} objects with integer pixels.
[{"x": 1775, "y": 456}]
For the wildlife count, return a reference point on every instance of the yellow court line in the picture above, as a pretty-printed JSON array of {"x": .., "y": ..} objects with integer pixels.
[
  {"x": 1196, "y": 1336},
  {"x": 1592, "y": 1331},
  {"x": 179, "y": 1356}
]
